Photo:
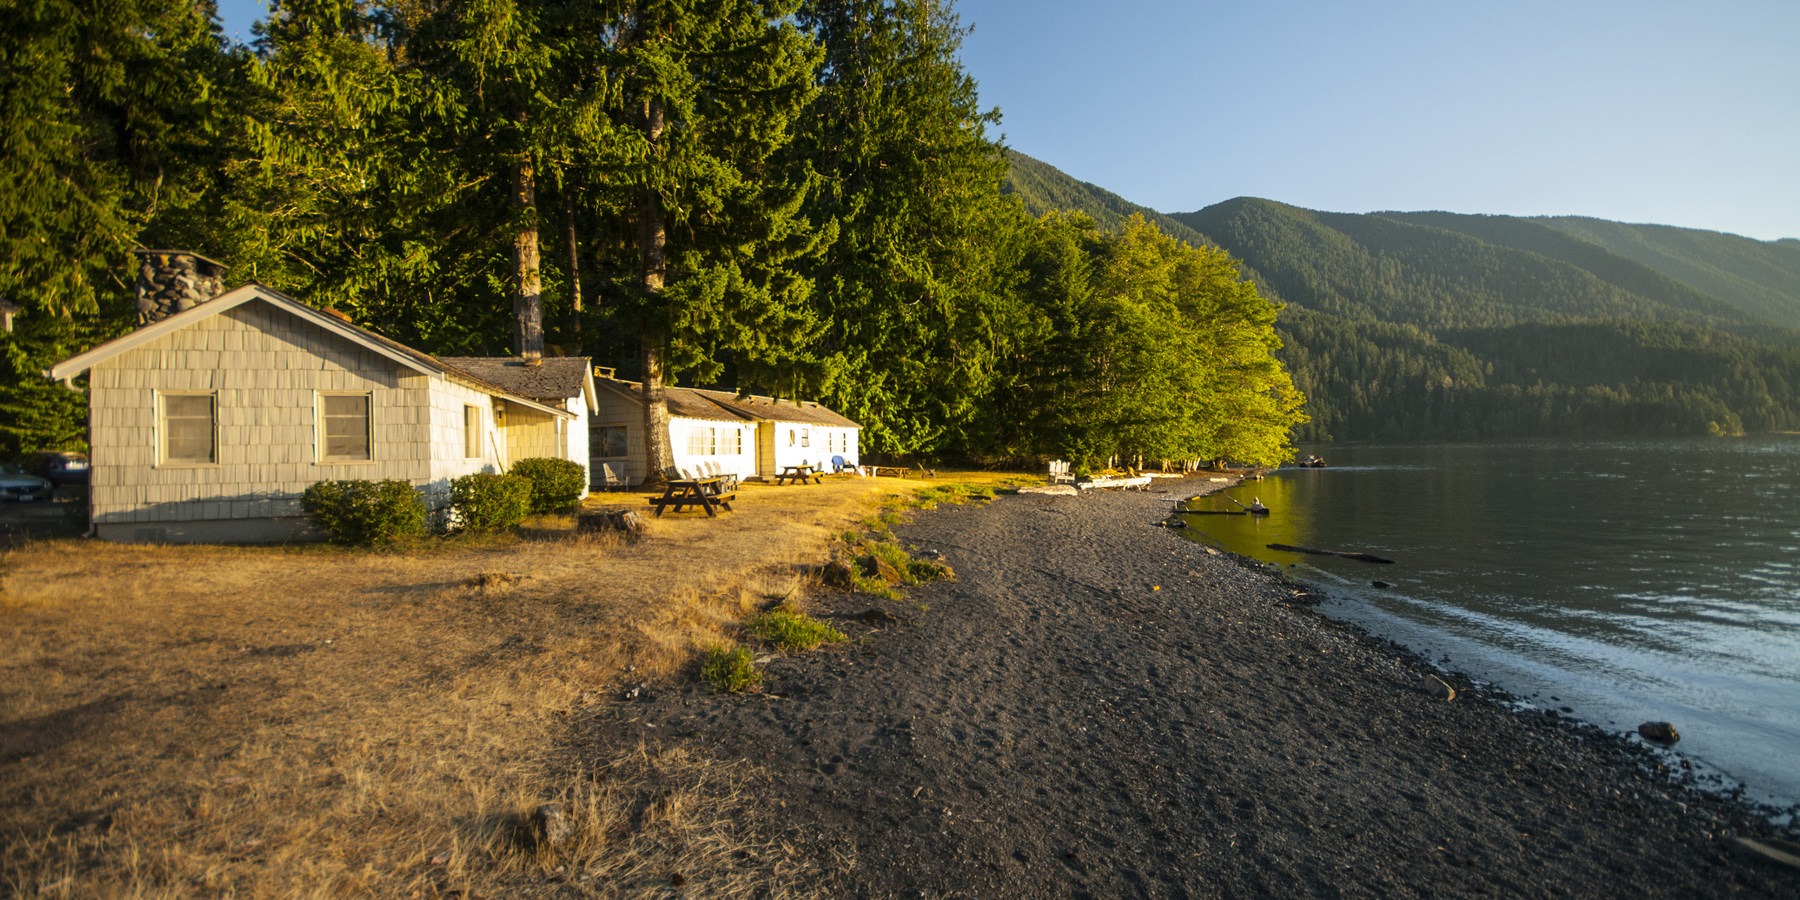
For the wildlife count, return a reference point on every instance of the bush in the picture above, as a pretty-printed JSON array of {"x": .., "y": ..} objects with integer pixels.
[
  {"x": 791, "y": 630},
  {"x": 555, "y": 483},
  {"x": 730, "y": 670},
  {"x": 365, "y": 512},
  {"x": 488, "y": 502}
]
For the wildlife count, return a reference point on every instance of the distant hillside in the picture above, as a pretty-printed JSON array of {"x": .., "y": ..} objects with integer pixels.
[
  {"x": 1444, "y": 326},
  {"x": 1759, "y": 277},
  {"x": 1045, "y": 188}
]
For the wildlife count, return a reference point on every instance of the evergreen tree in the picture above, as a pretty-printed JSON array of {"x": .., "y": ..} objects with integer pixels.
[
  {"x": 709, "y": 94},
  {"x": 915, "y": 290}
]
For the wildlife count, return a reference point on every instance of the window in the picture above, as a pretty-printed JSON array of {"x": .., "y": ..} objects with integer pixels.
[
  {"x": 701, "y": 441},
  {"x": 806, "y": 438},
  {"x": 345, "y": 432},
  {"x": 190, "y": 429},
  {"x": 607, "y": 442},
  {"x": 732, "y": 442},
  {"x": 791, "y": 437},
  {"x": 471, "y": 432}
]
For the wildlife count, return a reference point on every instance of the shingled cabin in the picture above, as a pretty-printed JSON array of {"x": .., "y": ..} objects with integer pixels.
[{"x": 209, "y": 421}]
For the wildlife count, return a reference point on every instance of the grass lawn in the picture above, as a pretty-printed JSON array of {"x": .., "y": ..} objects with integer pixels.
[{"x": 315, "y": 720}]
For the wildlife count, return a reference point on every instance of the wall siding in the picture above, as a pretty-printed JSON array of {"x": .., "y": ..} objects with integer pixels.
[{"x": 266, "y": 368}]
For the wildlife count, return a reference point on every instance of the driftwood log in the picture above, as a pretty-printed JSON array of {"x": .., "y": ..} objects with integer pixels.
[
  {"x": 616, "y": 518},
  {"x": 1359, "y": 557}
]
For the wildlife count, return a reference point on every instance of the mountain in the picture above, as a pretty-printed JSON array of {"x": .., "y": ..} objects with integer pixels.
[
  {"x": 1444, "y": 326},
  {"x": 1044, "y": 188}
]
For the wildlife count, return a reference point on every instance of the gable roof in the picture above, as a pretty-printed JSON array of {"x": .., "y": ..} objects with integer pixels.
[
  {"x": 399, "y": 353},
  {"x": 556, "y": 377},
  {"x": 699, "y": 403}
]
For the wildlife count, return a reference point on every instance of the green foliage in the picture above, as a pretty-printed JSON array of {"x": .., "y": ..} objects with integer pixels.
[
  {"x": 484, "y": 501},
  {"x": 792, "y": 631},
  {"x": 956, "y": 494},
  {"x": 729, "y": 670},
  {"x": 364, "y": 512},
  {"x": 556, "y": 484}
]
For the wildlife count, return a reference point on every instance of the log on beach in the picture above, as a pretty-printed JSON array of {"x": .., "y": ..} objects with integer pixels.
[{"x": 1359, "y": 557}]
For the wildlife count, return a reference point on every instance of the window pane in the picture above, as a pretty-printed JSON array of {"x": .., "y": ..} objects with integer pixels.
[
  {"x": 471, "y": 431},
  {"x": 189, "y": 423},
  {"x": 346, "y": 427},
  {"x": 607, "y": 442}
]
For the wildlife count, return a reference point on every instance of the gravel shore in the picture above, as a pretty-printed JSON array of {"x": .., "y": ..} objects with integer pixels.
[{"x": 1096, "y": 707}]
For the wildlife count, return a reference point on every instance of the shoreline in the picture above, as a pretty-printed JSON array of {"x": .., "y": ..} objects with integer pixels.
[
  {"x": 1099, "y": 706},
  {"x": 1696, "y": 774}
]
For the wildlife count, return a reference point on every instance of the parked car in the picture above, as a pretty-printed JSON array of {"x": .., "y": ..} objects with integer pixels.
[
  {"x": 23, "y": 486},
  {"x": 59, "y": 466}
]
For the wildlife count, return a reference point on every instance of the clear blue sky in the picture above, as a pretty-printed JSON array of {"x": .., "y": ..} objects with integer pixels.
[{"x": 1678, "y": 113}]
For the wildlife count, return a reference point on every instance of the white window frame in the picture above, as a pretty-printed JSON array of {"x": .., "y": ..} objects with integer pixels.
[
  {"x": 599, "y": 451},
  {"x": 472, "y": 431},
  {"x": 163, "y": 431},
  {"x": 320, "y": 430}
]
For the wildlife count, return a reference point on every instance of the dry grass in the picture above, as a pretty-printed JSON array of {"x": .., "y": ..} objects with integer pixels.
[{"x": 317, "y": 721}]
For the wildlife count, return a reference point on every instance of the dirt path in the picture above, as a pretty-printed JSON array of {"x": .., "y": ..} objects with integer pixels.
[{"x": 1098, "y": 708}]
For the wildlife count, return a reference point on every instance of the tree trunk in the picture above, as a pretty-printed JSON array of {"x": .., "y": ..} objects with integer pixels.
[
  {"x": 528, "y": 303},
  {"x": 574, "y": 287},
  {"x": 652, "y": 242}
]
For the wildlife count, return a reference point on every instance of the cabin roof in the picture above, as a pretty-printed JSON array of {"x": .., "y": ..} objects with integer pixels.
[
  {"x": 725, "y": 406},
  {"x": 556, "y": 377},
  {"x": 330, "y": 321}
]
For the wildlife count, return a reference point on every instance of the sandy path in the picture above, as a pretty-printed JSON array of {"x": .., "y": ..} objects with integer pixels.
[{"x": 1098, "y": 708}]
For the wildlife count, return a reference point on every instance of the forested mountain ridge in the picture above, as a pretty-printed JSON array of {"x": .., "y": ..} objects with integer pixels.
[
  {"x": 1043, "y": 188},
  {"x": 1760, "y": 277},
  {"x": 1439, "y": 325}
]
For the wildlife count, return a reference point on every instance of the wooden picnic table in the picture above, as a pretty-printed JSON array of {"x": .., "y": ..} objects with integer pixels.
[
  {"x": 800, "y": 473},
  {"x": 891, "y": 471},
  {"x": 702, "y": 492}
]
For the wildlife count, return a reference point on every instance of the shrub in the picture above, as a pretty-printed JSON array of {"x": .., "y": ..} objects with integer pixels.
[
  {"x": 365, "y": 512},
  {"x": 555, "y": 483},
  {"x": 731, "y": 670},
  {"x": 488, "y": 502},
  {"x": 791, "y": 630}
]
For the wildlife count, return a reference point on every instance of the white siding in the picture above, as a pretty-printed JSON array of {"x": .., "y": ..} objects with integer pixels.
[{"x": 741, "y": 464}]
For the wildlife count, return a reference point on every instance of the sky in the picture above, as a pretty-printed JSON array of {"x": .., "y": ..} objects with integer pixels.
[{"x": 1673, "y": 113}]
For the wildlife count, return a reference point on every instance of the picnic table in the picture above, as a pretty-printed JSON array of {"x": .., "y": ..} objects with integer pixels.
[
  {"x": 685, "y": 492},
  {"x": 890, "y": 471},
  {"x": 800, "y": 473}
]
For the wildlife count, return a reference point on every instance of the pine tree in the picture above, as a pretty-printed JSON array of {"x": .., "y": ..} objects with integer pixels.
[
  {"x": 915, "y": 287},
  {"x": 709, "y": 95}
]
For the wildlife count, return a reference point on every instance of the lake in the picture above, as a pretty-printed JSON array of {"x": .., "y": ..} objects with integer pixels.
[{"x": 1622, "y": 581}]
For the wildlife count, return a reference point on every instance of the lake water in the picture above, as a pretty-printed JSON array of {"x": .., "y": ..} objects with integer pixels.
[{"x": 1626, "y": 581}]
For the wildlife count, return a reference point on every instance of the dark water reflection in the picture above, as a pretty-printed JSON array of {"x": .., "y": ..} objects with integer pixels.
[{"x": 1630, "y": 580}]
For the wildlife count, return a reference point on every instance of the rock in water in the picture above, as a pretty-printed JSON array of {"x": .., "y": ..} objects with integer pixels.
[
  {"x": 1438, "y": 687},
  {"x": 1659, "y": 732}
]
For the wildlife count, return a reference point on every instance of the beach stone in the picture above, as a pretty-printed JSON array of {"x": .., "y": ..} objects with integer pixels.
[
  {"x": 1438, "y": 687},
  {"x": 837, "y": 574},
  {"x": 887, "y": 572},
  {"x": 877, "y": 615},
  {"x": 551, "y": 827},
  {"x": 1660, "y": 732}
]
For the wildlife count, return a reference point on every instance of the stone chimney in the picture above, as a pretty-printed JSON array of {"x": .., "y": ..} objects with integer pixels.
[{"x": 171, "y": 281}]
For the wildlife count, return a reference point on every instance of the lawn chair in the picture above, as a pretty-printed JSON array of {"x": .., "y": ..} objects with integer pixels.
[
  {"x": 609, "y": 479},
  {"x": 924, "y": 472},
  {"x": 838, "y": 465},
  {"x": 1060, "y": 472}
]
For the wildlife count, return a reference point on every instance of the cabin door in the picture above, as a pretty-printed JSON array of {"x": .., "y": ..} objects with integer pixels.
[{"x": 765, "y": 450}]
